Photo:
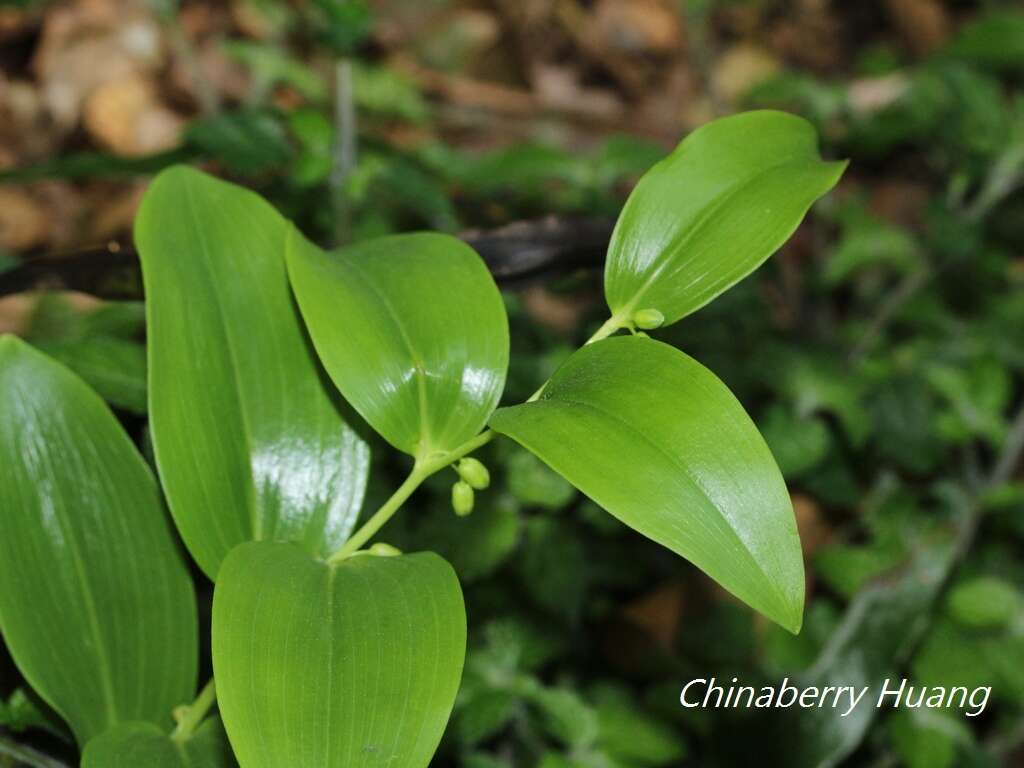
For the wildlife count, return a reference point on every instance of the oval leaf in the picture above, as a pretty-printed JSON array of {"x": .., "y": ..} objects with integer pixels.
[
  {"x": 349, "y": 665},
  {"x": 96, "y": 603},
  {"x": 249, "y": 440},
  {"x": 412, "y": 330},
  {"x": 656, "y": 439},
  {"x": 143, "y": 745},
  {"x": 711, "y": 212}
]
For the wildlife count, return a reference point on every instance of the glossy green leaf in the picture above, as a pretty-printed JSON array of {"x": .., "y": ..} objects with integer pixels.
[
  {"x": 249, "y": 439},
  {"x": 349, "y": 665},
  {"x": 138, "y": 745},
  {"x": 711, "y": 212},
  {"x": 413, "y": 331},
  {"x": 96, "y": 604},
  {"x": 657, "y": 440}
]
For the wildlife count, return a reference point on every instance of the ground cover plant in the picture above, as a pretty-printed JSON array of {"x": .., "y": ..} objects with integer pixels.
[{"x": 327, "y": 652}]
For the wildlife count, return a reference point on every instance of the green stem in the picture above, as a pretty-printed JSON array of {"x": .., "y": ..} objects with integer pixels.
[
  {"x": 611, "y": 325},
  {"x": 381, "y": 516},
  {"x": 191, "y": 716},
  {"x": 427, "y": 465},
  {"x": 421, "y": 470}
]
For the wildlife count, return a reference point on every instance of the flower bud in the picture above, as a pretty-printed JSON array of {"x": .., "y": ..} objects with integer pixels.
[
  {"x": 474, "y": 473},
  {"x": 384, "y": 550},
  {"x": 462, "y": 498},
  {"x": 648, "y": 319}
]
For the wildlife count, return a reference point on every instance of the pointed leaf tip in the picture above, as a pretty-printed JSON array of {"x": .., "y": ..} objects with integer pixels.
[
  {"x": 712, "y": 211},
  {"x": 677, "y": 459}
]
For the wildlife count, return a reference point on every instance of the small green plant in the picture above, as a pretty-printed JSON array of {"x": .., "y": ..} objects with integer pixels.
[{"x": 331, "y": 649}]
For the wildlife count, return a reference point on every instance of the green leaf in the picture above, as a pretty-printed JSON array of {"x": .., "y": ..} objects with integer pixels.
[
  {"x": 96, "y": 165},
  {"x": 846, "y": 568},
  {"x": 711, "y": 212},
  {"x": 926, "y": 738},
  {"x": 797, "y": 443},
  {"x": 349, "y": 665},
  {"x": 133, "y": 745},
  {"x": 564, "y": 715},
  {"x": 102, "y": 345},
  {"x": 631, "y": 734},
  {"x": 412, "y": 330},
  {"x": 271, "y": 66},
  {"x": 249, "y": 439},
  {"x": 248, "y": 141},
  {"x": 995, "y": 39},
  {"x": 985, "y": 602},
  {"x": 96, "y": 605},
  {"x": 22, "y": 712},
  {"x": 115, "y": 368},
  {"x": 555, "y": 567},
  {"x": 482, "y": 713},
  {"x": 869, "y": 242},
  {"x": 657, "y": 440},
  {"x": 534, "y": 484}
]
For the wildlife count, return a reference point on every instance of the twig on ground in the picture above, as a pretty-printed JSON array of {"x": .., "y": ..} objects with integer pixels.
[
  {"x": 516, "y": 253},
  {"x": 27, "y": 755}
]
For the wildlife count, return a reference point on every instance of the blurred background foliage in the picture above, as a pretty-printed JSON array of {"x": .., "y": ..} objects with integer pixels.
[{"x": 881, "y": 352}]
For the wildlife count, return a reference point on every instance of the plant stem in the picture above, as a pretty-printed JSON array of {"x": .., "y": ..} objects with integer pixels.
[
  {"x": 381, "y": 516},
  {"x": 1002, "y": 470},
  {"x": 427, "y": 465},
  {"x": 191, "y": 716},
  {"x": 345, "y": 148},
  {"x": 611, "y": 325},
  {"x": 421, "y": 470},
  {"x": 27, "y": 756}
]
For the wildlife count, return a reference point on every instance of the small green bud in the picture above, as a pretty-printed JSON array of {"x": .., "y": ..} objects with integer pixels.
[
  {"x": 462, "y": 498},
  {"x": 180, "y": 713},
  {"x": 384, "y": 550},
  {"x": 474, "y": 473},
  {"x": 648, "y": 319},
  {"x": 642, "y": 335}
]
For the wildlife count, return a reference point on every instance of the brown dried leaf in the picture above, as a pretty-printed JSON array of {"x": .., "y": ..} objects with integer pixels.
[
  {"x": 659, "y": 613},
  {"x": 637, "y": 26},
  {"x": 23, "y": 221},
  {"x": 741, "y": 68},
  {"x": 810, "y": 522},
  {"x": 91, "y": 43},
  {"x": 126, "y": 117},
  {"x": 923, "y": 23}
]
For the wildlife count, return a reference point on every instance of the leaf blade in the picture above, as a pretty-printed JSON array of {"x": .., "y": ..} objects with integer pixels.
[
  {"x": 131, "y": 745},
  {"x": 96, "y": 604},
  {"x": 724, "y": 190},
  {"x": 657, "y": 440},
  {"x": 249, "y": 440},
  {"x": 348, "y": 665},
  {"x": 411, "y": 329}
]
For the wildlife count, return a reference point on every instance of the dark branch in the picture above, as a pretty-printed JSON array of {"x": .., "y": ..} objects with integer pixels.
[{"x": 515, "y": 253}]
